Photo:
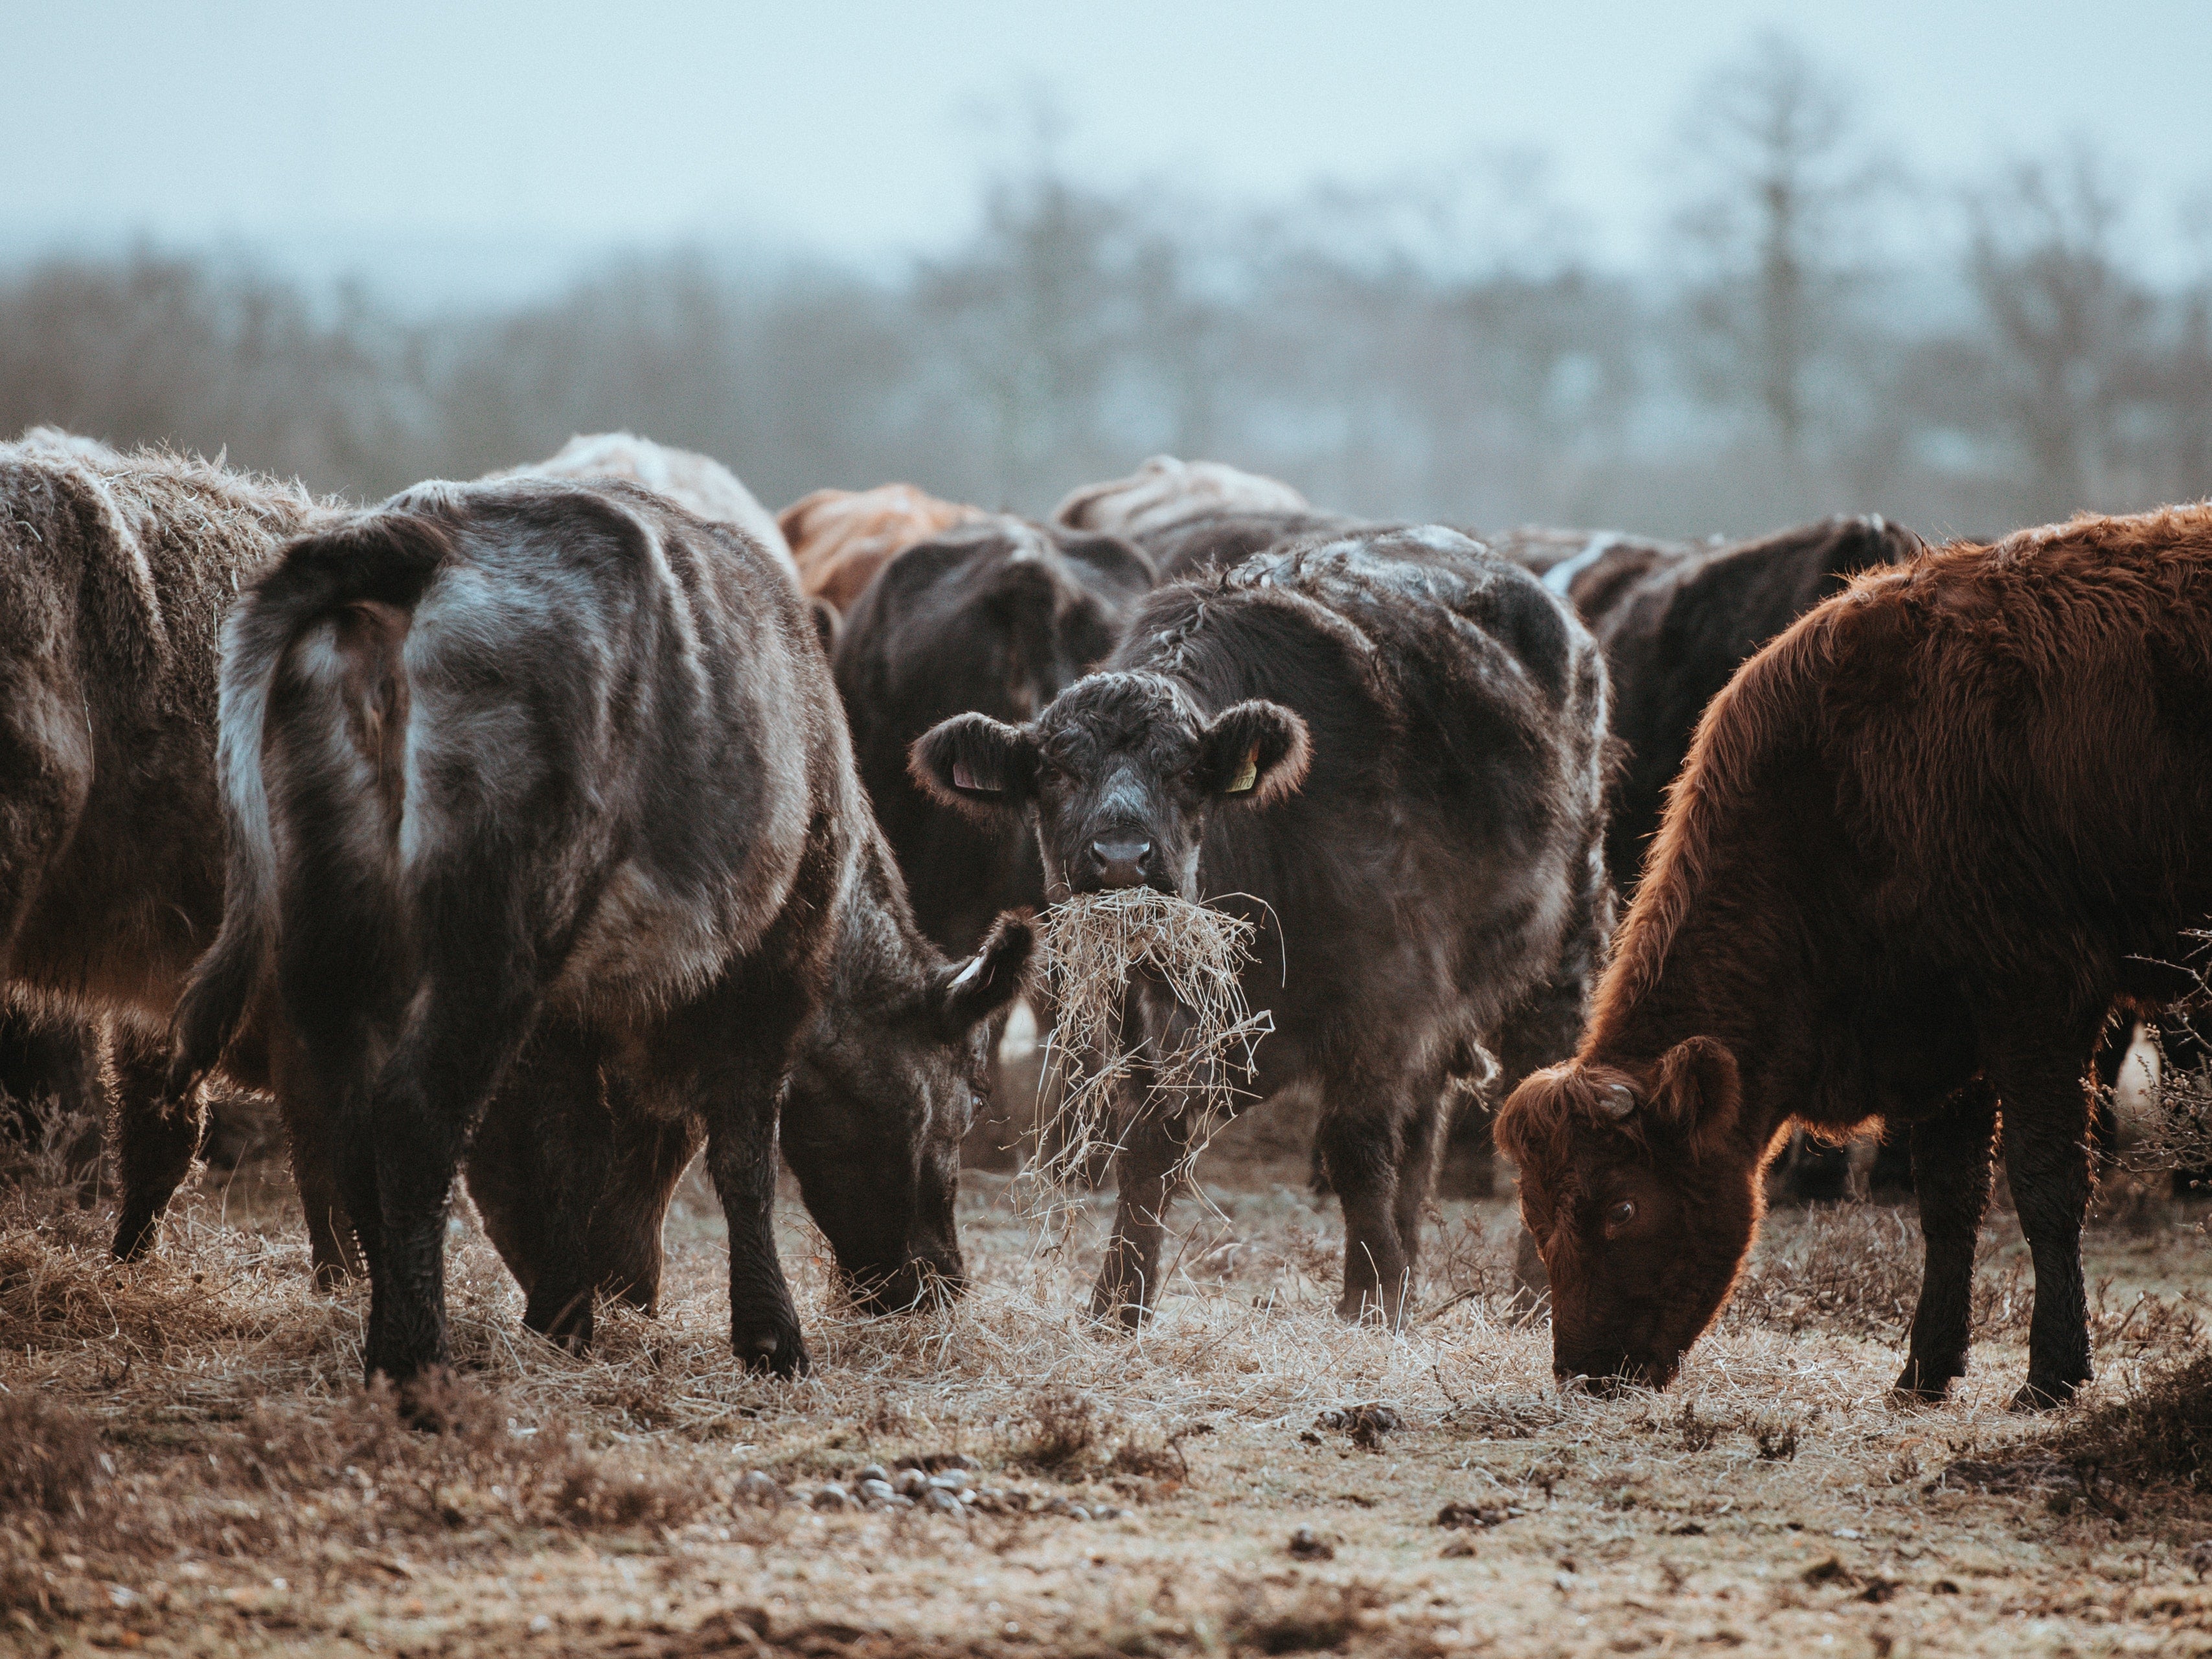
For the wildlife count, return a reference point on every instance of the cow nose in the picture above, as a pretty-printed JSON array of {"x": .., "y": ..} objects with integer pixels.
[{"x": 1120, "y": 860}]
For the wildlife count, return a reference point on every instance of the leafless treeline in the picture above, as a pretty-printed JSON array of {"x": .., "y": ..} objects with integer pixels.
[{"x": 1819, "y": 334}]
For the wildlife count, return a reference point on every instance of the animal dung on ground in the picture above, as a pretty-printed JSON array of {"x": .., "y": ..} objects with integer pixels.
[{"x": 1093, "y": 944}]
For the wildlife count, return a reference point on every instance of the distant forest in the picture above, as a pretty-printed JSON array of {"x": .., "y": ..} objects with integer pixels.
[{"x": 1815, "y": 332}]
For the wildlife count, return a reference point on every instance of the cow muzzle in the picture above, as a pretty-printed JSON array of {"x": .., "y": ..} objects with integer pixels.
[{"x": 1120, "y": 860}]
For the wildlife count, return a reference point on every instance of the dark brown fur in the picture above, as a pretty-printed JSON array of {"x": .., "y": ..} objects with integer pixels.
[
  {"x": 1922, "y": 844},
  {"x": 539, "y": 793},
  {"x": 1386, "y": 750},
  {"x": 116, "y": 572}
]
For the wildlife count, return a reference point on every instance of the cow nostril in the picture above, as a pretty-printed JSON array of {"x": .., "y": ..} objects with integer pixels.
[{"x": 1119, "y": 862}]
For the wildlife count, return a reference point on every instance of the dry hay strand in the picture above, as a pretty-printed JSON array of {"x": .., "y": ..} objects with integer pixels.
[{"x": 1094, "y": 946}]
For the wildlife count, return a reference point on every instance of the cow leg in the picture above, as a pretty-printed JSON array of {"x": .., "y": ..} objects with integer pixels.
[
  {"x": 2112, "y": 1058},
  {"x": 537, "y": 1170},
  {"x": 1360, "y": 1148},
  {"x": 2045, "y": 1107},
  {"x": 156, "y": 1138},
  {"x": 405, "y": 1141},
  {"x": 627, "y": 1255},
  {"x": 1128, "y": 1280},
  {"x": 311, "y": 1130},
  {"x": 1951, "y": 1174},
  {"x": 730, "y": 1052},
  {"x": 1417, "y": 1166}
]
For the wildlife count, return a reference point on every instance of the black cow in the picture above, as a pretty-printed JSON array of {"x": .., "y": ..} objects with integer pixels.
[
  {"x": 1388, "y": 749},
  {"x": 530, "y": 784},
  {"x": 992, "y": 617},
  {"x": 1676, "y": 629}
]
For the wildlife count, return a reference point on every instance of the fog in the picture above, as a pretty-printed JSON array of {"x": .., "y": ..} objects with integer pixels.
[{"x": 1442, "y": 263}]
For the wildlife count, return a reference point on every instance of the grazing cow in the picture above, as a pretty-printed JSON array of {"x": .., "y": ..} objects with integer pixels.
[
  {"x": 115, "y": 573},
  {"x": 994, "y": 617},
  {"x": 528, "y": 784},
  {"x": 1924, "y": 842},
  {"x": 1166, "y": 492},
  {"x": 1385, "y": 749},
  {"x": 842, "y": 537},
  {"x": 571, "y": 1172}
]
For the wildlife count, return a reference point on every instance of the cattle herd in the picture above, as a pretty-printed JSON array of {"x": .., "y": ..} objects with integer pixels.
[{"x": 546, "y": 829}]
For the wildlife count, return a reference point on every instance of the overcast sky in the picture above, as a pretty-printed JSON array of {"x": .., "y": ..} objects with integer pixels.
[{"x": 356, "y": 134}]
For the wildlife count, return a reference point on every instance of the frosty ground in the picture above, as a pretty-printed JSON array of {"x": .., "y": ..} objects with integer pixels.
[{"x": 190, "y": 1466}]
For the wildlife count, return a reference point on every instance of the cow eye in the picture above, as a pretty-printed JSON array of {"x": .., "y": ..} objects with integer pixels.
[{"x": 1621, "y": 1215}]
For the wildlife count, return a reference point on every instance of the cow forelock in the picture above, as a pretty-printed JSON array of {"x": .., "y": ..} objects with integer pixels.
[
  {"x": 1118, "y": 751},
  {"x": 1642, "y": 1239}
]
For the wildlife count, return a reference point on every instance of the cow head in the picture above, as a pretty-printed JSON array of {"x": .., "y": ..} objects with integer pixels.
[
  {"x": 1643, "y": 1198},
  {"x": 882, "y": 1086},
  {"x": 1122, "y": 771}
]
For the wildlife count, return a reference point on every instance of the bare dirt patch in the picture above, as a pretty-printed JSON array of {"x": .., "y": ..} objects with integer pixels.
[{"x": 188, "y": 1464}]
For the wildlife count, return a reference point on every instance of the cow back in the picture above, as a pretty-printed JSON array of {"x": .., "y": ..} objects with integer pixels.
[{"x": 116, "y": 572}]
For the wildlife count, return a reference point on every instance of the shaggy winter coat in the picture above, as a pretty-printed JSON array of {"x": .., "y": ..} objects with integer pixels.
[{"x": 1922, "y": 844}]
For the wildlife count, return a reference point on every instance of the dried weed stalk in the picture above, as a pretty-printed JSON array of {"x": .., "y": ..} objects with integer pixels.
[{"x": 1094, "y": 946}]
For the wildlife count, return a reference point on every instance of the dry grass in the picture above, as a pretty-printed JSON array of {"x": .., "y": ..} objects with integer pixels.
[
  {"x": 243, "y": 1493},
  {"x": 1093, "y": 946}
]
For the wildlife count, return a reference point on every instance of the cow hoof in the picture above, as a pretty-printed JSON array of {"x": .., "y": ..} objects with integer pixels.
[
  {"x": 1922, "y": 1385},
  {"x": 2042, "y": 1396},
  {"x": 1117, "y": 1318},
  {"x": 773, "y": 1347},
  {"x": 135, "y": 1233},
  {"x": 1906, "y": 1398}
]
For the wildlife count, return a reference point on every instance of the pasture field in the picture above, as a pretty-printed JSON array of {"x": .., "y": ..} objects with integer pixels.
[{"x": 188, "y": 1463}]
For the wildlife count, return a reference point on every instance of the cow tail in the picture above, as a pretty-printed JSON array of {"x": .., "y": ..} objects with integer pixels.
[{"x": 350, "y": 593}]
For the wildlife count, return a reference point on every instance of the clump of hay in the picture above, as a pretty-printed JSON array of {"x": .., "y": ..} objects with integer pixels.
[{"x": 1093, "y": 947}]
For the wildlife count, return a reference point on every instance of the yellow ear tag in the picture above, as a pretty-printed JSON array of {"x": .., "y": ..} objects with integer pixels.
[{"x": 1249, "y": 775}]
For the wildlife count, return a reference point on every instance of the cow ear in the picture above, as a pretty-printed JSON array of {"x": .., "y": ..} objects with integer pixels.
[
  {"x": 975, "y": 764},
  {"x": 1255, "y": 751},
  {"x": 974, "y": 990},
  {"x": 1696, "y": 1088},
  {"x": 825, "y": 619}
]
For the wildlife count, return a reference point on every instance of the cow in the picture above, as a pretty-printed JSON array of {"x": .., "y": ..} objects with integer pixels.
[
  {"x": 842, "y": 537},
  {"x": 1676, "y": 627},
  {"x": 1924, "y": 842},
  {"x": 1387, "y": 750},
  {"x": 116, "y": 572},
  {"x": 994, "y": 617},
  {"x": 698, "y": 483},
  {"x": 532, "y": 783},
  {"x": 1164, "y": 492},
  {"x": 572, "y": 1173}
]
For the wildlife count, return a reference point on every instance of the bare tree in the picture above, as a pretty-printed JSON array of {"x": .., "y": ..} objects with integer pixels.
[
  {"x": 2066, "y": 321},
  {"x": 1784, "y": 185}
]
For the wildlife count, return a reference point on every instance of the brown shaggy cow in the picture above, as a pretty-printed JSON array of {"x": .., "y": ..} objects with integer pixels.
[
  {"x": 842, "y": 537},
  {"x": 1924, "y": 842},
  {"x": 115, "y": 573}
]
